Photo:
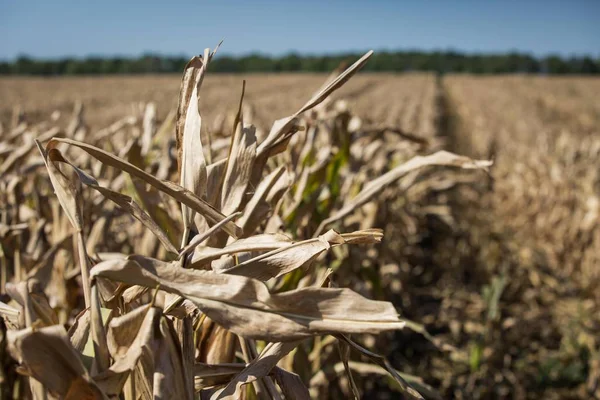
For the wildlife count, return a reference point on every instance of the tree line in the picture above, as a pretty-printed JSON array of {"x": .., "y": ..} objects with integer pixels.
[{"x": 384, "y": 61}]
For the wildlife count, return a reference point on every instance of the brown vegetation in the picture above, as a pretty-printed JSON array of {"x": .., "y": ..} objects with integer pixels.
[{"x": 494, "y": 275}]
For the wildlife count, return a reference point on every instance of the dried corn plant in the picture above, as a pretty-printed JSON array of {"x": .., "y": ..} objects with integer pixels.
[{"x": 204, "y": 263}]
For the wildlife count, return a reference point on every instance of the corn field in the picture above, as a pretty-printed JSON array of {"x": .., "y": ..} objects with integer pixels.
[{"x": 394, "y": 236}]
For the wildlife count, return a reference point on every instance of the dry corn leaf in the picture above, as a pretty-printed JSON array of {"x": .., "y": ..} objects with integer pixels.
[
  {"x": 48, "y": 356},
  {"x": 154, "y": 205},
  {"x": 193, "y": 175},
  {"x": 240, "y": 161},
  {"x": 177, "y": 192},
  {"x": 123, "y": 201},
  {"x": 372, "y": 188},
  {"x": 207, "y": 375},
  {"x": 246, "y": 307},
  {"x": 169, "y": 375},
  {"x": 215, "y": 173},
  {"x": 298, "y": 255},
  {"x": 69, "y": 197},
  {"x": 258, "y": 368},
  {"x": 291, "y": 384},
  {"x": 35, "y": 305},
  {"x": 282, "y": 127},
  {"x": 67, "y": 192},
  {"x": 101, "y": 355},
  {"x": 143, "y": 341},
  {"x": 80, "y": 330},
  {"x": 216, "y": 345},
  {"x": 130, "y": 337},
  {"x": 185, "y": 331},
  {"x": 192, "y": 74},
  {"x": 203, "y": 254},
  {"x": 384, "y": 363},
  {"x": 267, "y": 194}
]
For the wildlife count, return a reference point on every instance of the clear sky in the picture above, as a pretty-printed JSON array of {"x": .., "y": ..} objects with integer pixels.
[{"x": 52, "y": 29}]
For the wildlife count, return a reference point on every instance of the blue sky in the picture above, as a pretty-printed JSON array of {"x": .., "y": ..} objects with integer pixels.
[{"x": 52, "y": 29}]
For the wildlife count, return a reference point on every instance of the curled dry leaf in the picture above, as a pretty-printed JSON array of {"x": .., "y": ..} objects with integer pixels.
[
  {"x": 291, "y": 384},
  {"x": 69, "y": 197},
  {"x": 193, "y": 175},
  {"x": 67, "y": 192},
  {"x": 169, "y": 373},
  {"x": 35, "y": 306},
  {"x": 246, "y": 307},
  {"x": 130, "y": 341},
  {"x": 158, "y": 211},
  {"x": 80, "y": 330},
  {"x": 48, "y": 356}
]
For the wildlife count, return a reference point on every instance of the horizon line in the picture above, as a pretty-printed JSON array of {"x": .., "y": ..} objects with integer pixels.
[{"x": 286, "y": 53}]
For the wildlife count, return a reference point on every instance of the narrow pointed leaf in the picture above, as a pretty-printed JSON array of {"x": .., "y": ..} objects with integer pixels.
[
  {"x": 123, "y": 201},
  {"x": 280, "y": 127},
  {"x": 193, "y": 174},
  {"x": 374, "y": 187},
  {"x": 286, "y": 259},
  {"x": 264, "y": 242},
  {"x": 267, "y": 194},
  {"x": 130, "y": 337},
  {"x": 177, "y": 192},
  {"x": 101, "y": 356},
  {"x": 240, "y": 160}
]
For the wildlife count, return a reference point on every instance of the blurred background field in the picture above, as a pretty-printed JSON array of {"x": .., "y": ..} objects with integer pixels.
[{"x": 380, "y": 97}]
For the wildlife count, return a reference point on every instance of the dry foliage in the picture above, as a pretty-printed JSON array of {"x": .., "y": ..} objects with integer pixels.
[
  {"x": 522, "y": 264},
  {"x": 203, "y": 263}
]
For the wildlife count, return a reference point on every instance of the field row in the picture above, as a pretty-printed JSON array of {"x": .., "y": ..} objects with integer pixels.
[
  {"x": 532, "y": 231},
  {"x": 394, "y": 100},
  {"x": 543, "y": 134}
]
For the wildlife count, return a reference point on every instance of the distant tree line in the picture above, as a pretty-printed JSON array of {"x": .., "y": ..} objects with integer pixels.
[{"x": 441, "y": 62}]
